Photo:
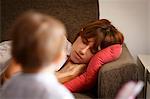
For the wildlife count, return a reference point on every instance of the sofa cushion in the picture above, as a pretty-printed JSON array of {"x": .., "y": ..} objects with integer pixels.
[{"x": 4, "y": 55}]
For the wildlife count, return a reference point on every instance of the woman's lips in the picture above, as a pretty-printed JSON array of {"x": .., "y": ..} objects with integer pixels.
[{"x": 78, "y": 56}]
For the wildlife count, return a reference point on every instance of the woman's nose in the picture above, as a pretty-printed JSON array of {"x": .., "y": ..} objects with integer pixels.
[{"x": 84, "y": 50}]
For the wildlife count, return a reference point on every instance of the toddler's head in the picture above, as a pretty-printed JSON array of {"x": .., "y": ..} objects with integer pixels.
[{"x": 38, "y": 40}]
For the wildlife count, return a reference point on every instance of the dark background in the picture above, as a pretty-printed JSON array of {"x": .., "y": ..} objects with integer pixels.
[{"x": 73, "y": 13}]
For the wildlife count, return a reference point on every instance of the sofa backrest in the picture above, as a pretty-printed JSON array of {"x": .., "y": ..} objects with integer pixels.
[{"x": 73, "y": 13}]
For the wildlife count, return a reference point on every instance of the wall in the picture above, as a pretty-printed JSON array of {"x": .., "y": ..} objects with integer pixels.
[
  {"x": 130, "y": 17},
  {"x": 149, "y": 25},
  {"x": 0, "y": 19}
]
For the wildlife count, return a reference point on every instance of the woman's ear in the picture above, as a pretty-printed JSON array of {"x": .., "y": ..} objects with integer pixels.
[
  {"x": 99, "y": 48},
  {"x": 81, "y": 29}
]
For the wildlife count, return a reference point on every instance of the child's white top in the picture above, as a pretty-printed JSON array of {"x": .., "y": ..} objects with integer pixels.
[{"x": 34, "y": 86}]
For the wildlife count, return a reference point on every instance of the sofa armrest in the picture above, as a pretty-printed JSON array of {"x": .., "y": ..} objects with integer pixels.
[{"x": 113, "y": 75}]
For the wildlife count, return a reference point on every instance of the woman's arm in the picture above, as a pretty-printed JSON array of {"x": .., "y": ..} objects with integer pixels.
[{"x": 70, "y": 71}]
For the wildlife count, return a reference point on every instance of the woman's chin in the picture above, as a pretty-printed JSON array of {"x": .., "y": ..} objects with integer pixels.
[{"x": 75, "y": 61}]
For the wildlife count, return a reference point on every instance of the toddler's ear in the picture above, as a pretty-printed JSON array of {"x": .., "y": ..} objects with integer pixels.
[{"x": 13, "y": 68}]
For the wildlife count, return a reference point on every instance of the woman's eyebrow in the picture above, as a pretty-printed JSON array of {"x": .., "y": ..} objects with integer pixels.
[{"x": 91, "y": 40}]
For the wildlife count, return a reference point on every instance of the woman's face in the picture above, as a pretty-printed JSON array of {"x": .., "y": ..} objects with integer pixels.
[{"x": 81, "y": 53}]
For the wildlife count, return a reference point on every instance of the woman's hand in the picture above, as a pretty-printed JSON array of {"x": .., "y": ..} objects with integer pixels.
[{"x": 70, "y": 71}]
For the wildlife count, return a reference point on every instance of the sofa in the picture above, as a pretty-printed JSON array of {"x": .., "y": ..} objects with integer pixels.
[{"x": 75, "y": 13}]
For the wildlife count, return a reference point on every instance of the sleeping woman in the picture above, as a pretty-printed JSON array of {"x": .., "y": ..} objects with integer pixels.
[{"x": 93, "y": 37}]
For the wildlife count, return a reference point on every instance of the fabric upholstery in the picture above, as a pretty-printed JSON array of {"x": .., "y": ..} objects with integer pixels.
[
  {"x": 84, "y": 96},
  {"x": 5, "y": 55},
  {"x": 73, "y": 13}
]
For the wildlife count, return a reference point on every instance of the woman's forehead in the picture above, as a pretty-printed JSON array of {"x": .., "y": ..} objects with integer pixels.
[{"x": 91, "y": 41}]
